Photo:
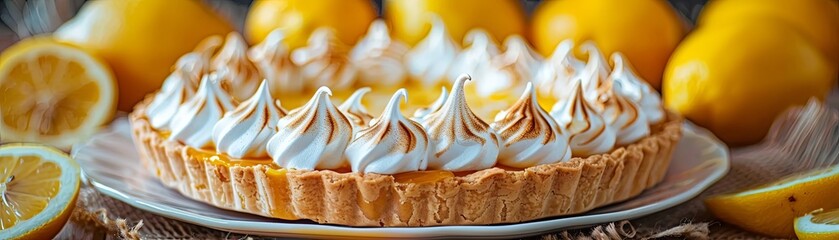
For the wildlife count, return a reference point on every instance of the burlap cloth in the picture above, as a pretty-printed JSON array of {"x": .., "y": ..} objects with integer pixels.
[{"x": 802, "y": 139}]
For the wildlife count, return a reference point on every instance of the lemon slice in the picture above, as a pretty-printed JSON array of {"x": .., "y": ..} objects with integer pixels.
[
  {"x": 53, "y": 93},
  {"x": 38, "y": 188},
  {"x": 770, "y": 209},
  {"x": 818, "y": 225}
]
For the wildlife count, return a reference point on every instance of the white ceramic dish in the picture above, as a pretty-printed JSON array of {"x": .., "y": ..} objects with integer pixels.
[{"x": 111, "y": 165}]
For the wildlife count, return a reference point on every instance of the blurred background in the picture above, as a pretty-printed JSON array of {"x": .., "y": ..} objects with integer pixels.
[
  {"x": 790, "y": 47},
  {"x": 23, "y": 18}
]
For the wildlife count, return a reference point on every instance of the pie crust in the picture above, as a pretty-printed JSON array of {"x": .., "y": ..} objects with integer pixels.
[{"x": 496, "y": 195}]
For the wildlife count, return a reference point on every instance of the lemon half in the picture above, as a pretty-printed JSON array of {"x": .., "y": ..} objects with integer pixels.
[
  {"x": 53, "y": 93},
  {"x": 38, "y": 188}
]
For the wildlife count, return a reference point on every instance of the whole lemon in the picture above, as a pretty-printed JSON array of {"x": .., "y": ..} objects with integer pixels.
[
  {"x": 818, "y": 20},
  {"x": 646, "y": 31},
  {"x": 299, "y": 18},
  {"x": 734, "y": 80},
  {"x": 411, "y": 19},
  {"x": 140, "y": 39}
]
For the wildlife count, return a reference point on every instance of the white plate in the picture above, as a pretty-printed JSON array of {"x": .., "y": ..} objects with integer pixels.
[{"x": 111, "y": 165}]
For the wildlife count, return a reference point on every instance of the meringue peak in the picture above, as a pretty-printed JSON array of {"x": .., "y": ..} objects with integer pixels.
[
  {"x": 588, "y": 131},
  {"x": 239, "y": 76},
  {"x": 354, "y": 101},
  {"x": 313, "y": 136},
  {"x": 422, "y": 113},
  {"x": 530, "y": 135},
  {"x": 428, "y": 62},
  {"x": 355, "y": 111},
  {"x": 393, "y": 144},
  {"x": 460, "y": 141},
  {"x": 595, "y": 73},
  {"x": 245, "y": 131},
  {"x": 325, "y": 61},
  {"x": 457, "y": 97},
  {"x": 193, "y": 123},
  {"x": 636, "y": 89},
  {"x": 271, "y": 58},
  {"x": 392, "y": 109}
]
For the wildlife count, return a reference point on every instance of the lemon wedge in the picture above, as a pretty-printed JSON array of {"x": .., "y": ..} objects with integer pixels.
[
  {"x": 38, "y": 189},
  {"x": 53, "y": 93},
  {"x": 770, "y": 209},
  {"x": 818, "y": 225}
]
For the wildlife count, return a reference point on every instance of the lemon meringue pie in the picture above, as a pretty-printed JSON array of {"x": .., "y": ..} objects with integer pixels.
[{"x": 219, "y": 131}]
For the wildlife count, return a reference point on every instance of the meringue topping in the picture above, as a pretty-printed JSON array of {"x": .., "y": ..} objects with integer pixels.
[
  {"x": 554, "y": 76},
  {"x": 475, "y": 59},
  {"x": 210, "y": 45},
  {"x": 193, "y": 122},
  {"x": 178, "y": 87},
  {"x": 422, "y": 113},
  {"x": 588, "y": 131},
  {"x": 460, "y": 141},
  {"x": 595, "y": 73},
  {"x": 324, "y": 61},
  {"x": 393, "y": 144},
  {"x": 355, "y": 111},
  {"x": 429, "y": 60},
  {"x": 245, "y": 131},
  {"x": 636, "y": 90},
  {"x": 271, "y": 58},
  {"x": 313, "y": 136},
  {"x": 519, "y": 63},
  {"x": 239, "y": 76},
  {"x": 379, "y": 58},
  {"x": 624, "y": 116},
  {"x": 530, "y": 136}
]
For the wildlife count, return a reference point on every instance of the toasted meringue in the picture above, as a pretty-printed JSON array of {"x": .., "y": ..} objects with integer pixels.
[
  {"x": 422, "y": 113},
  {"x": 239, "y": 76},
  {"x": 393, "y": 144},
  {"x": 271, "y": 58},
  {"x": 193, "y": 122},
  {"x": 459, "y": 140},
  {"x": 428, "y": 62},
  {"x": 518, "y": 64},
  {"x": 210, "y": 45},
  {"x": 624, "y": 116},
  {"x": 475, "y": 60},
  {"x": 324, "y": 61},
  {"x": 178, "y": 87},
  {"x": 595, "y": 73},
  {"x": 530, "y": 136},
  {"x": 355, "y": 111},
  {"x": 554, "y": 76},
  {"x": 313, "y": 136},
  {"x": 379, "y": 58},
  {"x": 637, "y": 90},
  {"x": 244, "y": 132},
  {"x": 588, "y": 131}
]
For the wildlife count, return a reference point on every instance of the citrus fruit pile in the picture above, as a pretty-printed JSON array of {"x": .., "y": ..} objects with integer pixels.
[{"x": 749, "y": 60}]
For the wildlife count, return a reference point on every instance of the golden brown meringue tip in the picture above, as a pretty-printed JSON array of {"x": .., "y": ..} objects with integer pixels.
[
  {"x": 210, "y": 45},
  {"x": 234, "y": 46},
  {"x": 323, "y": 92},
  {"x": 481, "y": 37},
  {"x": 460, "y": 82},
  {"x": 355, "y": 97},
  {"x": 275, "y": 38}
]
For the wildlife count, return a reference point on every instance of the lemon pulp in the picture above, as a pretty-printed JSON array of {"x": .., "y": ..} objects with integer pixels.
[{"x": 28, "y": 184}]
